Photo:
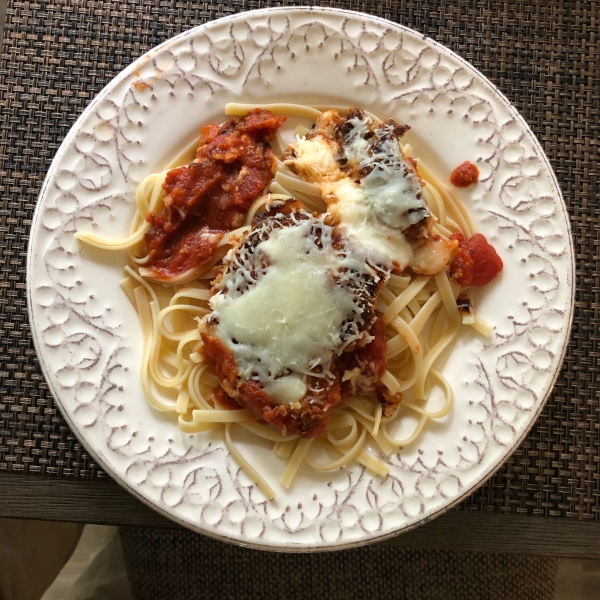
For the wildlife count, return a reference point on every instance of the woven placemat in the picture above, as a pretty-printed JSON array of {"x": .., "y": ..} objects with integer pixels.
[
  {"x": 543, "y": 54},
  {"x": 180, "y": 564}
]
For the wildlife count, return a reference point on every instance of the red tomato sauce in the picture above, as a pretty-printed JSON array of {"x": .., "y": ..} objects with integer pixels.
[
  {"x": 302, "y": 418},
  {"x": 373, "y": 354},
  {"x": 464, "y": 175},
  {"x": 475, "y": 262},
  {"x": 222, "y": 359},
  {"x": 234, "y": 164},
  {"x": 307, "y": 420},
  {"x": 223, "y": 400},
  {"x": 370, "y": 358}
]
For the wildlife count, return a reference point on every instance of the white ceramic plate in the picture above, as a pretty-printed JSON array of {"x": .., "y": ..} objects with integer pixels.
[{"x": 89, "y": 341}]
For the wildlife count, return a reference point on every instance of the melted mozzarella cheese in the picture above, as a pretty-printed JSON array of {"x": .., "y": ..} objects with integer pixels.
[
  {"x": 356, "y": 147},
  {"x": 432, "y": 255},
  {"x": 284, "y": 323},
  {"x": 316, "y": 158},
  {"x": 392, "y": 188},
  {"x": 375, "y": 210},
  {"x": 393, "y": 195},
  {"x": 350, "y": 207}
]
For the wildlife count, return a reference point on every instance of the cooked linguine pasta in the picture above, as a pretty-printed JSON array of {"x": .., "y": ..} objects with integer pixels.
[{"x": 416, "y": 300}]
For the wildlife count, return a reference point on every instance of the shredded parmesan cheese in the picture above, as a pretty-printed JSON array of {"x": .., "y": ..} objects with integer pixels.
[
  {"x": 376, "y": 195},
  {"x": 290, "y": 303}
]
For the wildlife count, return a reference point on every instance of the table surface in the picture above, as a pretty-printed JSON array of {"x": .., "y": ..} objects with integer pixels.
[
  {"x": 543, "y": 56},
  {"x": 106, "y": 503}
]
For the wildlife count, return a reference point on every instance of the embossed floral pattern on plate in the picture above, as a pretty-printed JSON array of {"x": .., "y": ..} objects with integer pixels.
[{"x": 87, "y": 334}]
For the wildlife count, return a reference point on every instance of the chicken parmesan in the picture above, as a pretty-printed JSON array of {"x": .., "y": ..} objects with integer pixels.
[
  {"x": 295, "y": 296},
  {"x": 302, "y": 291},
  {"x": 371, "y": 188}
]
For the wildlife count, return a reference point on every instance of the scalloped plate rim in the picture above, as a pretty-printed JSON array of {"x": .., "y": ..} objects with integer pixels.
[{"x": 291, "y": 547}]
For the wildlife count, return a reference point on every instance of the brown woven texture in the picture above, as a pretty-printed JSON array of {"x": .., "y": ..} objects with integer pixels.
[
  {"x": 543, "y": 54},
  {"x": 180, "y": 564}
]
